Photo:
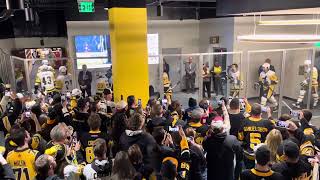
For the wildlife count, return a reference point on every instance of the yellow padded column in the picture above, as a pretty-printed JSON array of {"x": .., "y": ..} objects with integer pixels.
[{"x": 128, "y": 34}]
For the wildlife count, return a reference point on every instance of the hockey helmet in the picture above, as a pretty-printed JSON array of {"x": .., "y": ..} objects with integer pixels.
[
  {"x": 76, "y": 93},
  {"x": 62, "y": 70}
]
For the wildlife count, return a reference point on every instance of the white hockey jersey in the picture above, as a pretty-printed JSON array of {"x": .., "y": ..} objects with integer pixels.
[
  {"x": 102, "y": 83},
  {"x": 91, "y": 174},
  {"x": 64, "y": 83},
  {"x": 45, "y": 78}
]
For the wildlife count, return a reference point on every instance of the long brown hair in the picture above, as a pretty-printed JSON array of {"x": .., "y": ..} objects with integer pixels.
[{"x": 122, "y": 167}]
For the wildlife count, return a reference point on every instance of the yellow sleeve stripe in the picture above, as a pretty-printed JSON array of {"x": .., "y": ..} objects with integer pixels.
[
  {"x": 184, "y": 143},
  {"x": 6, "y": 123},
  {"x": 240, "y": 136}
]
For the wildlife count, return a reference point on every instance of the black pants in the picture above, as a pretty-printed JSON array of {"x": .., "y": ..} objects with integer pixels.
[
  {"x": 217, "y": 85},
  {"x": 206, "y": 88},
  {"x": 88, "y": 90}
]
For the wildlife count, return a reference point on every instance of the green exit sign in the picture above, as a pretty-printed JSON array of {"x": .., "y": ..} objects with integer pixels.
[{"x": 86, "y": 7}]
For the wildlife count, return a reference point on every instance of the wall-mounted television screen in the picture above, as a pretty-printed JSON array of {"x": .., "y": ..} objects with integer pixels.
[{"x": 96, "y": 50}]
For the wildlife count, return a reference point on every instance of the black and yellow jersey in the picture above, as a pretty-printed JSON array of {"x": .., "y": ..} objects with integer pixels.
[
  {"x": 46, "y": 129},
  {"x": 22, "y": 163},
  {"x": 254, "y": 174},
  {"x": 58, "y": 151},
  {"x": 87, "y": 140},
  {"x": 201, "y": 131},
  {"x": 253, "y": 131},
  {"x": 307, "y": 128},
  {"x": 38, "y": 143}
]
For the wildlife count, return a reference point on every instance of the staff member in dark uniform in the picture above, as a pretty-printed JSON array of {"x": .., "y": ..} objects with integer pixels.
[{"x": 85, "y": 79}]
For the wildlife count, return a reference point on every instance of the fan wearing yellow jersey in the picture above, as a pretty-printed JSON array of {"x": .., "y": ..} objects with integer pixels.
[{"x": 22, "y": 159}]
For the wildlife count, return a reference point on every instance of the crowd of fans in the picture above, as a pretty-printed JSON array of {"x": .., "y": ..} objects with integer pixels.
[{"x": 94, "y": 138}]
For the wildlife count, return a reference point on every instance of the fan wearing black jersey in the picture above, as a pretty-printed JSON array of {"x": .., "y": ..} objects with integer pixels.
[
  {"x": 253, "y": 131},
  {"x": 88, "y": 138}
]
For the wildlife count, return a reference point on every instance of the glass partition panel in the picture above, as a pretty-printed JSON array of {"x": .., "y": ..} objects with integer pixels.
[
  {"x": 181, "y": 77},
  {"x": 299, "y": 77},
  {"x": 155, "y": 81},
  {"x": 223, "y": 75},
  {"x": 100, "y": 70},
  {"x": 43, "y": 73},
  {"x": 264, "y": 77},
  {"x": 6, "y": 69},
  {"x": 20, "y": 82}
]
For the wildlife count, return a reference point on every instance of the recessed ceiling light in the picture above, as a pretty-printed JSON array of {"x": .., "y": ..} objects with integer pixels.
[
  {"x": 280, "y": 38},
  {"x": 290, "y": 22}
]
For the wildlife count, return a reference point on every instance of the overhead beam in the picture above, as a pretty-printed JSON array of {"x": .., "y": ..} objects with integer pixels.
[{"x": 234, "y": 7}]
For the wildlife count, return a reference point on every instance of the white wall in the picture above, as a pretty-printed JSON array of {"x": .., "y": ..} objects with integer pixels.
[
  {"x": 245, "y": 25},
  {"x": 35, "y": 42},
  {"x": 7, "y": 44},
  {"x": 172, "y": 34},
  {"x": 177, "y": 34},
  {"x": 192, "y": 36},
  {"x": 222, "y": 27}
]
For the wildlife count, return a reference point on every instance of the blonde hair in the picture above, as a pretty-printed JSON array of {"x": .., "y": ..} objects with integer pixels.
[{"x": 273, "y": 140}]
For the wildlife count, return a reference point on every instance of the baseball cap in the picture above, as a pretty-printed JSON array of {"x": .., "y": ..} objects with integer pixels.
[
  {"x": 217, "y": 124},
  {"x": 121, "y": 105},
  {"x": 262, "y": 155},
  {"x": 197, "y": 113},
  {"x": 291, "y": 150}
]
